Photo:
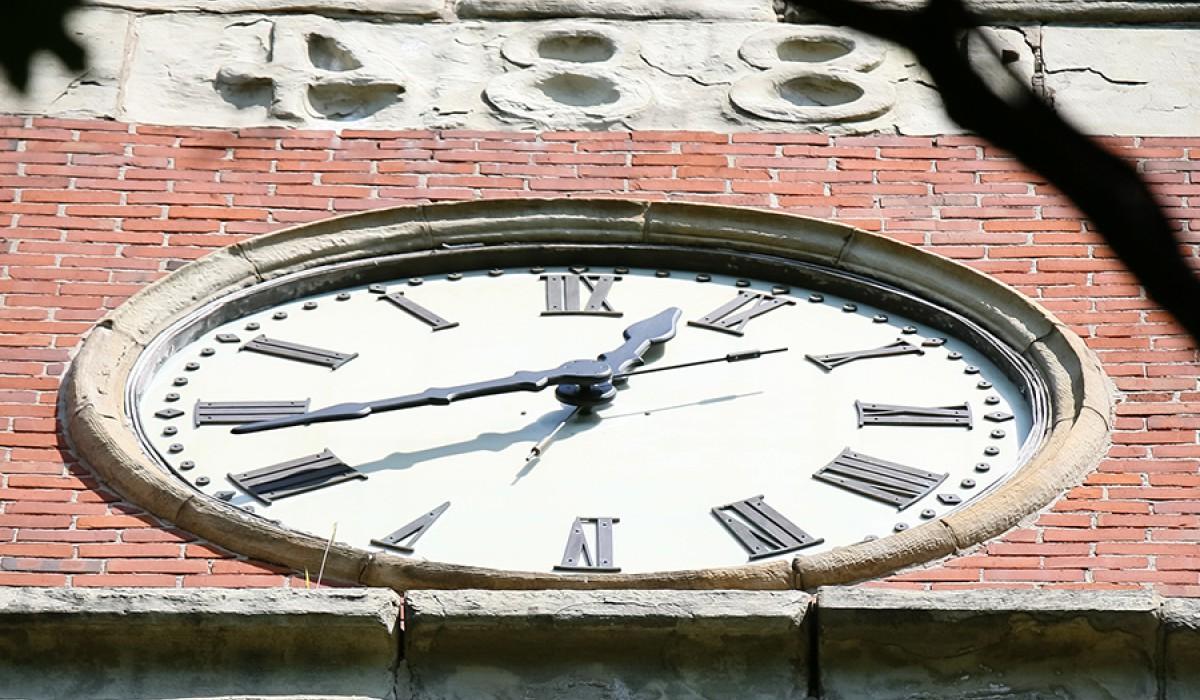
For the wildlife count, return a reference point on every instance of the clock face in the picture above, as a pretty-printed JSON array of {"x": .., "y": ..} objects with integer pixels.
[{"x": 854, "y": 422}]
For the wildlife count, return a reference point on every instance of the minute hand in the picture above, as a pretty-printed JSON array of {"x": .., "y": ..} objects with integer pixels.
[
  {"x": 639, "y": 337},
  {"x": 585, "y": 372}
]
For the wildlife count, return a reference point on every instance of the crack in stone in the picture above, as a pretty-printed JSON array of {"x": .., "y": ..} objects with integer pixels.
[
  {"x": 1102, "y": 76},
  {"x": 692, "y": 78}
]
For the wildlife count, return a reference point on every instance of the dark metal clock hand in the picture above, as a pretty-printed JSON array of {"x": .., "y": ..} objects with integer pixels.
[
  {"x": 731, "y": 357},
  {"x": 640, "y": 337},
  {"x": 576, "y": 373}
]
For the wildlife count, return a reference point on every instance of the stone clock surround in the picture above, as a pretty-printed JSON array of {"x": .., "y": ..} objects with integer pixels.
[{"x": 95, "y": 389}]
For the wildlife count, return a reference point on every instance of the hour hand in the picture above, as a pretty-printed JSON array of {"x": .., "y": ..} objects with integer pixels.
[
  {"x": 576, "y": 372},
  {"x": 640, "y": 337}
]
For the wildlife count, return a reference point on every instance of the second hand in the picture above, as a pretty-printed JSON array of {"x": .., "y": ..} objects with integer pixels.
[{"x": 540, "y": 448}]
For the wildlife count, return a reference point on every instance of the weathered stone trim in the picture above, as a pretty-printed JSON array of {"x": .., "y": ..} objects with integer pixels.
[
  {"x": 839, "y": 643},
  {"x": 94, "y": 392},
  {"x": 129, "y": 642},
  {"x": 1131, "y": 11}
]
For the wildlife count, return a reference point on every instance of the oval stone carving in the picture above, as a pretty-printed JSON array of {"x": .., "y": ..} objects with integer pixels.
[
  {"x": 813, "y": 74},
  {"x": 573, "y": 72}
]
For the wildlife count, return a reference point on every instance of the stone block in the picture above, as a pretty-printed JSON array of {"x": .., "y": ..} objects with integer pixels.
[
  {"x": 606, "y": 644},
  {"x": 126, "y": 643},
  {"x": 54, "y": 89},
  {"x": 883, "y": 644},
  {"x": 1181, "y": 649},
  {"x": 758, "y": 10},
  {"x": 1117, "y": 80}
]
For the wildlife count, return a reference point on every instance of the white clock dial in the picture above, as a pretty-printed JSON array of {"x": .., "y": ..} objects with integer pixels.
[{"x": 869, "y": 422}]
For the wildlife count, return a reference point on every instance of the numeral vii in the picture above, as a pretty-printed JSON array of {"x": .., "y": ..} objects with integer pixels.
[
  {"x": 879, "y": 479},
  {"x": 563, "y": 298},
  {"x": 762, "y": 530},
  {"x": 725, "y": 320}
]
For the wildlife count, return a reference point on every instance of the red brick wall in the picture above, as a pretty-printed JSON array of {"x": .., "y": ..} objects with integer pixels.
[{"x": 92, "y": 210}]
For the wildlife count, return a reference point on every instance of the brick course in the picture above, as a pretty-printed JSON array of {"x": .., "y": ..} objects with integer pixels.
[{"x": 92, "y": 210}]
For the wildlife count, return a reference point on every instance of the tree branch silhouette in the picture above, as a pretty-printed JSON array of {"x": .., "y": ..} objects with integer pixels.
[{"x": 1106, "y": 188}]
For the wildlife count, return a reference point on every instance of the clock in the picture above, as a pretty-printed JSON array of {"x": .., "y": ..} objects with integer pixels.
[{"x": 571, "y": 409}]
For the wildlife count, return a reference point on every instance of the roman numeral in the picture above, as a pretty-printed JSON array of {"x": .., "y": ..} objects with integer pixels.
[
  {"x": 886, "y": 414},
  {"x": 837, "y": 359},
  {"x": 412, "y": 531},
  {"x": 762, "y": 530},
  {"x": 879, "y": 479},
  {"x": 724, "y": 319},
  {"x": 563, "y": 298},
  {"x": 578, "y": 556},
  {"x": 301, "y": 353},
  {"x": 295, "y": 476},
  {"x": 237, "y": 412},
  {"x": 419, "y": 312}
]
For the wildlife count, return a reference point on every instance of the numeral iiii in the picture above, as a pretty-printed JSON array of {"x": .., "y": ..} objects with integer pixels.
[
  {"x": 301, "y": 353},
  {"x": 563, "y": 298},
  {"x": 762, "y": 530},
  {"x": 295, "y": 476},
  {"x": 724, "y": 319},
  {"x": 885, "y": 414},
  {"x": 879, "y": 479},
  {"x": 578, "y": 556}
]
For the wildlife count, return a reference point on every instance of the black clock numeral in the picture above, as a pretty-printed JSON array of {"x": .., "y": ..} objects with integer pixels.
[
  {"x": 879, "y": 479},
  {"x": 578, "y": 556},
  {"x": 886, "y": 414},
  {"x": 419, "y": 312},
  {"x": 837, "y": 359},
  {"x": 724, "y": 319},
  {"x": 295, "y": 476},
  {"x": 412, "y": 531},
  {"x": 237, "y": 412},
  {"x": 762, "y": 530},
  {"x": 301, "y": 353},
  {"x": 563, "y": 298}
]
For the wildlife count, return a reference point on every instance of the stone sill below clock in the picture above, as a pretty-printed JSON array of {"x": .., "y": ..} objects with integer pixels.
[{"x": 473, "y": 643}]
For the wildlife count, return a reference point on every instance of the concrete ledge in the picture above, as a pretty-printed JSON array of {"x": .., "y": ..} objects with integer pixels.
[
  {"x": 606, "y": 644},
  {"x": 128, "y": 642},
  {"x": 996, "y": 644},
  {"x": 842, "y": 643}
]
